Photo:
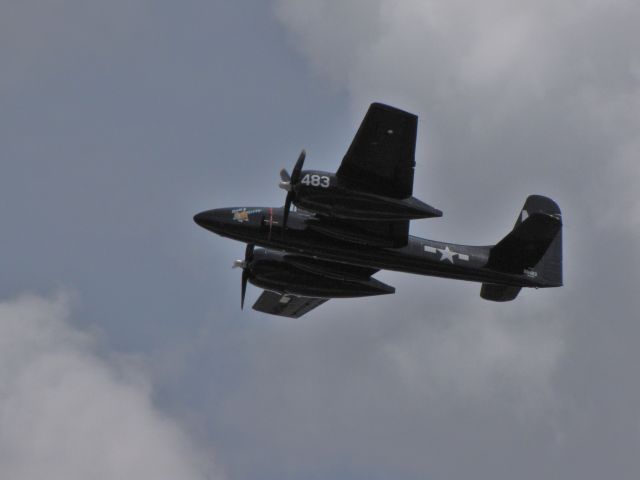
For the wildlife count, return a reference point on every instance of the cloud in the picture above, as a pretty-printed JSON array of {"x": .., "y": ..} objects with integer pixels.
[
  {"x": 394, "y": 386},
  {"x": 67, "y": 412},
  {"x": 532, "y": 89},
  {"x": 480, "y": 356},
  {"x": 514, "y": 99}
]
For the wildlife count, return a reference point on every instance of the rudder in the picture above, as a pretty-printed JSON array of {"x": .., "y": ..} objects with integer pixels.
[{"x": 534, "y": 246}]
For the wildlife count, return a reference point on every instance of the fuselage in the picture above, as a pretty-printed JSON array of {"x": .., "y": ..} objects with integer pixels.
[{"x": 263, "y": 226}]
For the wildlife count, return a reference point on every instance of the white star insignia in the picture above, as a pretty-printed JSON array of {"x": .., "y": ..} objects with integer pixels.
[{"x": 446, "y": 254}]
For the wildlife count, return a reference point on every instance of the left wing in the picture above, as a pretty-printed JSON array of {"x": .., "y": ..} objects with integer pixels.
[
  {"x": 286, "y": 305},
  {"x": 380, "y": 159}
]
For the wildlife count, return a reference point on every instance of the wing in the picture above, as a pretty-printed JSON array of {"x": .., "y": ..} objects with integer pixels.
[
  {"x": 286, "y": 305},
  {"x": 380, "y": 159}
]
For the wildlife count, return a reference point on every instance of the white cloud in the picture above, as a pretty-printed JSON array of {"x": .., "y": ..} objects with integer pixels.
[
  {"x": 403, "y": 384},
  {"x": 479, "y": 353},
  {"x": 514, "y": 98},
  {"x": 67, "y": 413},
  {"x": 493, "y": 81}
]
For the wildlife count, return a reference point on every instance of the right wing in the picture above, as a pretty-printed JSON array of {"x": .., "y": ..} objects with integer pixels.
[{"x": 286, "y": 305}]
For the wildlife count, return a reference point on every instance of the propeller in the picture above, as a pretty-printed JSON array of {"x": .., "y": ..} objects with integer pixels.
[
  {"x": 287, "y": 183},
  {"x": 244, "y": 264}
]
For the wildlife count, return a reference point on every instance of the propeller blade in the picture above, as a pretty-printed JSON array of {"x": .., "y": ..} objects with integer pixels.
[
  {"x": 288, "y": 182},
  {"x": 245, "y": 277},
  {"x": 287, "y": 207},
  {"x": 244, "y": 264},
  {"x": 285, "y": 180},
  {"x": 284, "y": 175},
  {"x": 285, "y": 186},
  {"x": 295, "y": 174}
]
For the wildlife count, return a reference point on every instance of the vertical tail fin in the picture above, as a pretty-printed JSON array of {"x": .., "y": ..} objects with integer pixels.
[{"x": 534, "y": 246}]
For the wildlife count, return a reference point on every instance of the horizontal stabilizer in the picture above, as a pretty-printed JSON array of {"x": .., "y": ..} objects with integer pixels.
[{"x": 498, "y": 293}]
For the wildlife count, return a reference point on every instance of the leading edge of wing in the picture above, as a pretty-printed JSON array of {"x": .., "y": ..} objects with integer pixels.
[{"x": 381, "y": 157}]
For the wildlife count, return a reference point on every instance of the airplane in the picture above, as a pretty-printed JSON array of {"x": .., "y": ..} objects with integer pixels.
[{"x": 353, "y": 223}]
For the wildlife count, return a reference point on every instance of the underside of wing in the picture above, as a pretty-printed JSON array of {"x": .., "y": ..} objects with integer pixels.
[
  {"x": 286, "y": 305},
  {"x": 381, "y": 159}
]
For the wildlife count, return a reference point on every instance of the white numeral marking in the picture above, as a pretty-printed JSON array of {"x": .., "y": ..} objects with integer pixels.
[{"x": 315, "y": 180}]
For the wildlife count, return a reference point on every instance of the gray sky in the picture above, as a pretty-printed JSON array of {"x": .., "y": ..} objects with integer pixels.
[{"x": 122, "y": 347}]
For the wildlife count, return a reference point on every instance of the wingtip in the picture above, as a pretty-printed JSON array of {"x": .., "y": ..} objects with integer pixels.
[{"x": 390, "y": 108}]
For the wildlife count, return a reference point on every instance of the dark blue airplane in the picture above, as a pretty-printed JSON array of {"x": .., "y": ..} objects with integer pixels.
[{"x": 350, "y": 224}]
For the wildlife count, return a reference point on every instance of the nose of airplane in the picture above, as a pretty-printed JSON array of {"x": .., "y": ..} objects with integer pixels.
[
  {"x": 230, "y": 219},
  {"x": 206, "y": 219}
]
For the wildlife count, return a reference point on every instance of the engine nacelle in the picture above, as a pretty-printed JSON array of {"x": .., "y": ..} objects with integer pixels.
[
  {"x": 304, "y": 276},
  {"x": 326, "y": 194}
]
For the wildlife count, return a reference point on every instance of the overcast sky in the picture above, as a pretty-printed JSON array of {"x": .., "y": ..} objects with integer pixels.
[{"x": 123, "y": 351}]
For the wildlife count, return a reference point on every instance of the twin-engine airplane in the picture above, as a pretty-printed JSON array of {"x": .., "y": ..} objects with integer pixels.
[{"x": 351, "y": 224}]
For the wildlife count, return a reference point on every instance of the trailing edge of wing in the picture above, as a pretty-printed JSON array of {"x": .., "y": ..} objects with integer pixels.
[{"x": 286, "y": 305}]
